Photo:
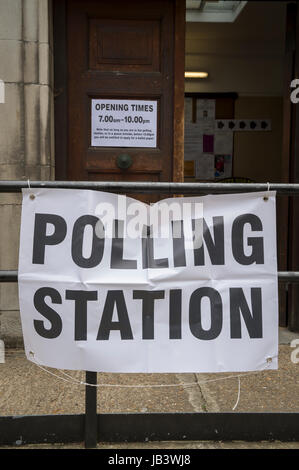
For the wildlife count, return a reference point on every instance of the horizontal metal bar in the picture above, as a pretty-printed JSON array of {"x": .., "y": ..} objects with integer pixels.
[
  {"x": 288, "y": 276},
  {"x": 8, "y": 276},
  {"x": 140, "y": 427},
  {"x": 152, "y": 187},
  {"x": 284, "y": 276}
]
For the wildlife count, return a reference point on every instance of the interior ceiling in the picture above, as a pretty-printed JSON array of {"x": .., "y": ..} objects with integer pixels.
[
  {"x": 259, "y": 21},
  {"x": 246, "y": 55},
  {"x": 213, "y": 11}
]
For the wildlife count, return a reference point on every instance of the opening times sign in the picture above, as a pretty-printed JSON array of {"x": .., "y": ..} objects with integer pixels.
[{"x": 123, "y": 123}]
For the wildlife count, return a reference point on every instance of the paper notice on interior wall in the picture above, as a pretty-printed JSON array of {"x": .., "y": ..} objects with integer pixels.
[
  {"x": 208, "y": 143},
  {"x": 205, "y": 109},
  {"x": 223, "y": 142},
  {"x": 205, "y": 116},
  {"x": 188, "y": 110},
  {"x": 223, "y": 166},
  {"x": 205, "y": 167},
  {"x": 189, "y": 170},
  {"x": 193, "y": 141},
  {"x": 210, "y": 167},
  {"x": 207, "y": 126}
]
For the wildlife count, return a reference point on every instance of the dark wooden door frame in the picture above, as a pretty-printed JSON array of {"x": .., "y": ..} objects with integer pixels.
[
  {"x": 61, "y": 91},
  {"x": 289, "y": 207}
]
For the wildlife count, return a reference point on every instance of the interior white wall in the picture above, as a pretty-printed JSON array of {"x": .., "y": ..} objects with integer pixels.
[{"x": 244, "y": 57}]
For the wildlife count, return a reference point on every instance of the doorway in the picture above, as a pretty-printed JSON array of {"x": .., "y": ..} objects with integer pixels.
[{"x": 111, "y": 55}]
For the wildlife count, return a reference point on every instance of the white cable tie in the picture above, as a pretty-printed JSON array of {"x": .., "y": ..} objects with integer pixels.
[{"x": 239, "y": 392}]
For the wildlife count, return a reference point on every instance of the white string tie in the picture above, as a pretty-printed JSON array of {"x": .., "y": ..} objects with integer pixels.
[
  {"x": 74, "y": 381},
  {"x": 239, "y": 393}
]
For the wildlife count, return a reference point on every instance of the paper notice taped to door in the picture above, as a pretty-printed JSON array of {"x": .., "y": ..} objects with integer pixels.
[{"x": 123, "y": 123}]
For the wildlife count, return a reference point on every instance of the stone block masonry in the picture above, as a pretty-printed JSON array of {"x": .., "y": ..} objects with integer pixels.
[{"x": 26, "y": 129}]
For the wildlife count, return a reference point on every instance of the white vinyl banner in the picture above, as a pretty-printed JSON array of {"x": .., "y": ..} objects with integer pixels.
[{"x": 110, "y": 284}]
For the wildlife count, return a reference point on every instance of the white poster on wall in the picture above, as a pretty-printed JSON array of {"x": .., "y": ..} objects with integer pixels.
[
  {"x": 188, "y": 110},
  {"x": 205, "y": 109},
  {"x": 224, "y": 143},
  {"x": 108, "y": 283},
  {"x": 123, "y": 123}
]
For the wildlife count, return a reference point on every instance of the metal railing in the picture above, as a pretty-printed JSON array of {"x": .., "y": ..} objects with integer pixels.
[
  {"x": 152, "y": 187},
  {"x": 155, "y": 426}
]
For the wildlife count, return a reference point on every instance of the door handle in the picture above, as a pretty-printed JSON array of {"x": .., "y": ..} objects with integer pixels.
[{"x": 124, "y": 161}]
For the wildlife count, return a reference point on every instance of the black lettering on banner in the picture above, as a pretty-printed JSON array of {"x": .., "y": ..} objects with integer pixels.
[
  {"x": 215, "y": 247},
  {"x": 117, "y": 250},
  {"x": 148, "y": 260},
  {"x": 257, "y": 253},
  {"x": 148, "y": 302},
  {"x": 179, "y": 255},
  {"x": 98, "y": 243},
  {"x": 47, "y": 312},
  {"x": 81, "y": 298},
  {"x": 40, "y": 237},
  {"x": 238, "y": 305},
  {"x": 195, "y": 315},
  {"x": 175, "y": 314},
  {"x": 115, "y": 299}
]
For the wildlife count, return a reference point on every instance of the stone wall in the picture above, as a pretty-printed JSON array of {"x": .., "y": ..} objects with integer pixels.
[{"x": 26, "y": 129}]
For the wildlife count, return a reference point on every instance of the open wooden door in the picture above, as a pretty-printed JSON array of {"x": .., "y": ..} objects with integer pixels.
[{"x": 119, "y": 55}]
